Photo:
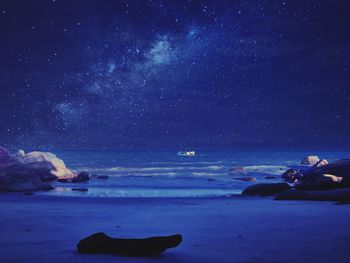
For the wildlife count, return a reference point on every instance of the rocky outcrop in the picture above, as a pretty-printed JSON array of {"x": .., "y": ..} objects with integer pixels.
[
  {"x": 341, "y": 194},
  {"x": 329, "y": 176},
  {"x": 76, "y": 178},
  {"x": 5, "y": 158},
  {"x": 310, "y": 160},
  {"x": 321, "y": 163},
  {"x": 153, "y": 246},
  {"x": 266, "y": 189},
  {"x": 21, "y": 178},
  {"x": 45, "y": 161},
  {"x": 339, "y": 168},
  {"x": 291, "y": 175}
]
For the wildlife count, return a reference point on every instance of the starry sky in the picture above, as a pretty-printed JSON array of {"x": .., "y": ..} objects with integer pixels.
[{"x": 174, "y": 74}]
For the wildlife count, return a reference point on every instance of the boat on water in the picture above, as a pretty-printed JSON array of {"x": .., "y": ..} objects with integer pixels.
[{"x": 187, "y": 153}]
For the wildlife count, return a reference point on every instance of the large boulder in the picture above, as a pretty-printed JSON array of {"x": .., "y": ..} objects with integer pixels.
[
  {"x": 48, "y": 164},
  {"x": 332, "y": 175},
  {"x": 339, "y": 168},
  {"x": 265, "y": 189},
  {"x": 340, "y": 194},
  {"x": 310, "y": 160},
  {"x": 153, "y": 246},
  {"x": 5, "y": 158},
  {"x": 21, "y": 178},
  {"x": 321, "y": 163}
]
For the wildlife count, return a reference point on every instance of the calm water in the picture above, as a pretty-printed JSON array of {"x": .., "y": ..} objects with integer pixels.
[{"x": 165, "y": 174}]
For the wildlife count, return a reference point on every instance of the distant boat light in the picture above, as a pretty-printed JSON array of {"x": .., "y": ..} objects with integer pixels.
[{"x": 186, "y": 153}]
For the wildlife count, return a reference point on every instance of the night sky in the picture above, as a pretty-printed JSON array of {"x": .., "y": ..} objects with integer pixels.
[{"x": 174, "y": 74}]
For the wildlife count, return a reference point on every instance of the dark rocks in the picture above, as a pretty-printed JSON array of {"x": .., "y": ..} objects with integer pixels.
[
  {"x": 341, "y": 194},
  {"x": 5, "y": 158},
  {"x": 291, "y": 175},
  {"x": 339, "y": 168},
  {"x": 79, "y": 178},
  {"x": 323, "y": 182},
  {"x": 64, "y": 180},
  {"x": 266, "y": 189},
  {"x": 21, "y": 178},
  {"x": 246, "y": 179},
  {"x": 153, "y": 246},
  {"x": 80, "y": 189},
  {"x": 325, "y": 177},
  {"x": 43, "y": 170}
]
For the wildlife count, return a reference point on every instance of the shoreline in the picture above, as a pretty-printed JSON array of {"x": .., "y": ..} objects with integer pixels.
[{"x": 38, "y": 228}]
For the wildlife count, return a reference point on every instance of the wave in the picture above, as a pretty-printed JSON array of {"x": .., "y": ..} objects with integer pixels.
[{"x": 142, "y": 192}]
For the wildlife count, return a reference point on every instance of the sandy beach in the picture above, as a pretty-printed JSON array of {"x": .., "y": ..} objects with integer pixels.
[{"x": 233, "y": 229}]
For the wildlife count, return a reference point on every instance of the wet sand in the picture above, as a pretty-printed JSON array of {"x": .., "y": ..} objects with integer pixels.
[{"x": 233, "y": 229}]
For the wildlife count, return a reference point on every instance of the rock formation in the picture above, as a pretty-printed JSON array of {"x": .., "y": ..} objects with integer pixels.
[
  {"x": 21, "y": 178},
  {"x": 45, "y": 161},
  {"x": 266, "y": 189},
  {"x": 341, "y": 194},
  {"x": 310, "y": 160}
]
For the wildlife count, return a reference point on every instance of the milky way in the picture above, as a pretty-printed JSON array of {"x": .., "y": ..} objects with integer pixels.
[{"x": 177, "y": 74}]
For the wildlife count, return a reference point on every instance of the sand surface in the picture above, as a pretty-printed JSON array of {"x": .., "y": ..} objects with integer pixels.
[{"x": 47, "y": 229}]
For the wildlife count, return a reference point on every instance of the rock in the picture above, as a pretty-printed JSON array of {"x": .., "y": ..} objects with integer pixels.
[
  {"x": 76, "y": 178},
  {"x": 21, "y": 178},
  {"x": 321, "y": 163},
  {"x": 43, "y": 170},
  {"x": 265, "y": 189},
  {"x": 322, "y": 182},
  {"x": 329, "y": 176},
  {"x": 310, "y": 160},
  {"x": 54, "y": 166},
  {"x": 80, "y": 189},
  {"x": 5, "y": 158},
  {"x": 328, "y": 179},
  {"x": 64, "y": 180},
  {"x": 81, "y": 177},
  {"x": 246, "y": 179},
  {"x": 340, "y": 194},
  {"x": 237, "y": 169},
  {"x": 153, "y": 246},
  {"x": 270, "y": 177},
  {"x": 338, "y": 168},
  {"x": 291, "y": 175}
]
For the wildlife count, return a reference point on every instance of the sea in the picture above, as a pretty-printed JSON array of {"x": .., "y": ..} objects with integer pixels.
[{"x": 160, "y": 173}]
